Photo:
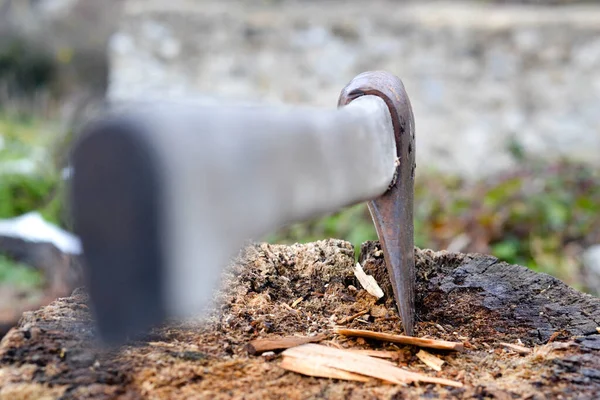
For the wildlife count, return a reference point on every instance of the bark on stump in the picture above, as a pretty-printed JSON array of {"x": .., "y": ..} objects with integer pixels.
[{"x": 277, "y": 290}]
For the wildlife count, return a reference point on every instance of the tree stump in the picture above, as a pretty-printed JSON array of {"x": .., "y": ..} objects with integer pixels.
[{"x": 276, "y": 290}]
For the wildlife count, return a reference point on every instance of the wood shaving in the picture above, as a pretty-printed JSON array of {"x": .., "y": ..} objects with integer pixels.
[
  {"x": 421, "y": 342},
  {"x": 368, "y": 282},
  {"x": 322, "y": 361},
  {"x": 259, "y": 346},
  {"x": 430, "y": 360}
]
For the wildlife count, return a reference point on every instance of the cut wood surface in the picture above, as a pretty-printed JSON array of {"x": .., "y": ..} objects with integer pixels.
[
  {"x": 414, "y": 341},
  {"x": 53, "y": 354},
  {"x": 318, "y": 357},
  {"x": 261, "y": 345},
  {"x": 430, "y": 360}
]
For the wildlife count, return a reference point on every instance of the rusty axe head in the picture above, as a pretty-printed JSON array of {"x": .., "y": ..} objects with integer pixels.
[{"x": 392, "y": 212}]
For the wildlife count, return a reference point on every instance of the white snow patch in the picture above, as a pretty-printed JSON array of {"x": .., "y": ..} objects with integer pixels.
[{"x": 32, "y": 227}]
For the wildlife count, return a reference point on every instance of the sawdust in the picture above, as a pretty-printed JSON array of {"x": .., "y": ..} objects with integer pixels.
[{"x": 52, "y": 353}]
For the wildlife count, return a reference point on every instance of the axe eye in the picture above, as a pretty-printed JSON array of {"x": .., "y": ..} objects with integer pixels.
[{"x": 353, "y": 95}]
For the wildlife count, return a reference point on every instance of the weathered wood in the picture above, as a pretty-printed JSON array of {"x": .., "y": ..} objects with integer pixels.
[
  {"x": 509, "y": 296},
  {"x": 52, "y": 352}
]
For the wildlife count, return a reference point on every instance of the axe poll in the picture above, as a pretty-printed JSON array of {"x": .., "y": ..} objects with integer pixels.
[{"x": 163, "y": 194}]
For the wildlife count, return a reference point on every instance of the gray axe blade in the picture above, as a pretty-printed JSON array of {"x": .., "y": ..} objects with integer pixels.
[{"x": 163, "y": 194}]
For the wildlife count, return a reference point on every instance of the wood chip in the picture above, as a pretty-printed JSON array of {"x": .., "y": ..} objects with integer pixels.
[
  {"x": 297, "y": 301},
  {"x": 367, "y": 282},
  {"x": 377, "y": 353},
  {"x": 598, "y": 329},
  {"x": 352, "y": 317},
  {"x": 515, "y": 347},
  {"x": 430, "y": 360},
  {"x": 259, "y": 346},
  {"x": 310, "y": 368},
  {"x": 420, "y": 342},
  {"x": 323, "y": 361}
]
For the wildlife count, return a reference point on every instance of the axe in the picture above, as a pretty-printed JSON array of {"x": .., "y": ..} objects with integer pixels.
[{"x": 163, "y": 194}]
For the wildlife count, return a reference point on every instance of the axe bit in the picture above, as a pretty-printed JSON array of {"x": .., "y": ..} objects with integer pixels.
[
  {"x": 392, "y": 213},
  {"x": 163, "y": 194}
]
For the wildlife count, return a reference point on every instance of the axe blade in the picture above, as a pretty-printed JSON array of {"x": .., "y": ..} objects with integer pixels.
[{"x": 393, "y": 211}]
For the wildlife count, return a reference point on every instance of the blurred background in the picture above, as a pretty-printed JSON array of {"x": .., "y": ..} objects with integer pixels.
[{"x": 506, "y": 96}]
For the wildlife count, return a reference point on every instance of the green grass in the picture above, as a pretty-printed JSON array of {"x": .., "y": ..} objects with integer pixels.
[
  {"x": 31, "y": 141},
  {"x": 19, "y": 275},
  {"x": 541, "y": 216}
]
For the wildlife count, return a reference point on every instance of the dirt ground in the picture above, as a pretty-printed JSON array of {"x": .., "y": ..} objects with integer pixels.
[{"x": 276, "y": 290}]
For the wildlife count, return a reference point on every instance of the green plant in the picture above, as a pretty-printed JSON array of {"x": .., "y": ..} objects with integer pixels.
[
  {"x": 19, "y": 275},
  {"x": 541, "y": 215},
  {"x": 36, "y": 184}
]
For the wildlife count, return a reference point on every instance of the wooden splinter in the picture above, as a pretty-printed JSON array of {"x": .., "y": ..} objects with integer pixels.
[
  {"x": 386, "y": 337},
  {"x": 259, "y": 346}
]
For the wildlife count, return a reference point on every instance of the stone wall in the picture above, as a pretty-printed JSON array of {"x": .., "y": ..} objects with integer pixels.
[
  {"x": 55, "y": 50},
  {"x": 482, "y": 78}
]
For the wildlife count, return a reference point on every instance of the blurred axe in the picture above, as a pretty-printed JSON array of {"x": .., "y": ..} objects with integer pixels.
[{"x": 164, "y": 194}]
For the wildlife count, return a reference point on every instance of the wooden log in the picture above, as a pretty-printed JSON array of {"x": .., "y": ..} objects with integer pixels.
[
  {"x": 482, "y": 288},
  {"x": 466, "y": 298}
]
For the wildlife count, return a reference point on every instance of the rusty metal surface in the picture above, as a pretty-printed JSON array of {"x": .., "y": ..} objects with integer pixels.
[{"x": 393, "y": 212}]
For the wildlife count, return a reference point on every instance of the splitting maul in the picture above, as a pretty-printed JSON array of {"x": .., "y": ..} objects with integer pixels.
[{"x": 163, "y": 194}]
